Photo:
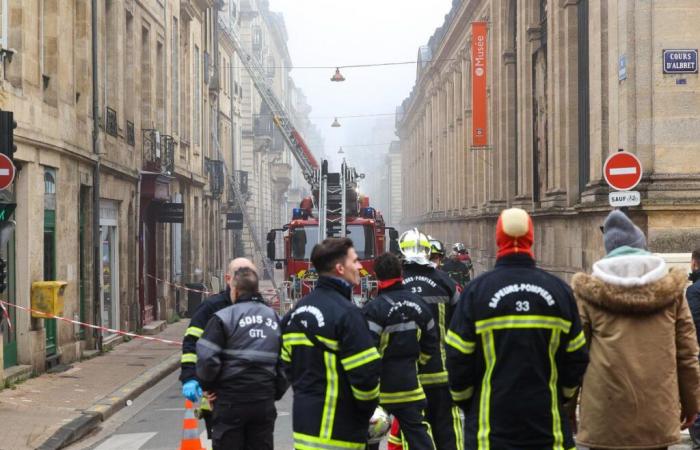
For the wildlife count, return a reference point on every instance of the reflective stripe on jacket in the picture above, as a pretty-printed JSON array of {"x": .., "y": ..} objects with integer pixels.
[
  {"x": 333, "y": 366},
  {"x": 405, "y": 333},
  {"x": 515, "y": 353}
]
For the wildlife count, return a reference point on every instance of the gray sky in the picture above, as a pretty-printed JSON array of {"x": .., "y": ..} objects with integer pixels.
[{"x": 332, "y": 32}]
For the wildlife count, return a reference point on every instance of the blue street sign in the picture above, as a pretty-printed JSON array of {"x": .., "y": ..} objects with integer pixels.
[{"x": 681, "y": 61}]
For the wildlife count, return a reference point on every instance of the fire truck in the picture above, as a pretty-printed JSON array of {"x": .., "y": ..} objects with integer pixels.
[{"x": 336, "y": 210}]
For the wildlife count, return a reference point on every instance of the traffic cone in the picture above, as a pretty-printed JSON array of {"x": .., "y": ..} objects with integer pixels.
[{"x": 190, "y": 430}]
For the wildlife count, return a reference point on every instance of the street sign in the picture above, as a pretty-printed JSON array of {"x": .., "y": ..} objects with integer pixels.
[
  {"x": 681, "y": 61},
  {"x": 620, "y": 199},
  {"x": 7, "y": 171},
  {"x": 168, "y": 212},
  {"x": 622, "y": 171},
  {"x": 234, "y": 221}
]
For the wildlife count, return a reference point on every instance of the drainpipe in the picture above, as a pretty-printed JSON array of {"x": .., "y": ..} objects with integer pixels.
[{"x": 97, "y": 307}]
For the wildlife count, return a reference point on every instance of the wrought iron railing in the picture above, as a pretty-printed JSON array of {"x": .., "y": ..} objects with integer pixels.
[
  {"x": 130, "y": 133},
  {"x": 111, "y": 121},
  {"x": 216, "y": 177},
  {"x": 158, "y": 152}
]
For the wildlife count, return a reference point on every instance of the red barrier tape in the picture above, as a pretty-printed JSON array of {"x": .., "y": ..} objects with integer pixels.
[
  {"x": 89, "y": 325},
  {"x": 179, "y": 286}
]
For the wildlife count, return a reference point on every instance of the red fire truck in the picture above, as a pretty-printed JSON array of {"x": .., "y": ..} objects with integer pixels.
[{"x": 339, "y": 207}]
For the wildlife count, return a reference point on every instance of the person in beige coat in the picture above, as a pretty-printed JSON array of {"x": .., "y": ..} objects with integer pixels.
[{"x": 643, "y": 380}]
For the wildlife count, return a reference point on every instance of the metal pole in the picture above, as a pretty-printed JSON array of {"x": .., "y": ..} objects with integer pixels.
[
  {"x": 343, "y": 199},
  {"x": 96, "y": 183}
]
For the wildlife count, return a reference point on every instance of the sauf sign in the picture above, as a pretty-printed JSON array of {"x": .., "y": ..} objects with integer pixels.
[{"x": 681, "y": 61}]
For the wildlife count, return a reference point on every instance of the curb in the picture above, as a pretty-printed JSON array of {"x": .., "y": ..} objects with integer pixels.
[{"x": 90, "y": 418}]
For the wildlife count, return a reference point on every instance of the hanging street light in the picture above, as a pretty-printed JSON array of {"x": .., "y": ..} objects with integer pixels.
[
  {"x": 337, "y": 76},
  {"x": 341, "y": 152},
  {"x": 335, "y": 123}
]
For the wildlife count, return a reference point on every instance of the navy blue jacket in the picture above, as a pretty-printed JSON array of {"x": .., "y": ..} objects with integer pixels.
[{"x": 693, "y": 296}]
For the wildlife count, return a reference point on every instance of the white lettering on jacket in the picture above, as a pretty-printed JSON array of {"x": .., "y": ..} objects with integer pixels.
[
  {"x": 422, "y": 278},
  {"x": 311, "y": 310},
  {"x": 522, "y": 287}
]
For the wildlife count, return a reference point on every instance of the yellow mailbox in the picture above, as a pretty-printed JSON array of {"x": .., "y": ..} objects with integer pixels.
[{"x": 47, "y": 298}]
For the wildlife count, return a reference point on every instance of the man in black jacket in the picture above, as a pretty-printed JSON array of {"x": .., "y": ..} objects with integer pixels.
[
  {"x": 237, "y": 360},
  {"x": 440, "y": 293},
  {"x": 405, "y": 333},
  {"x": 191, "y": 388},
  {"x": 515, "y": 349},
  {"x": 330, "y": 356},
  {"x": 692, "y": 294}
]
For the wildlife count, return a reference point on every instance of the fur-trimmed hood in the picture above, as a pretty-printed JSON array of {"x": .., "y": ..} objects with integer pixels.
[{"x": 630, "y": 284}]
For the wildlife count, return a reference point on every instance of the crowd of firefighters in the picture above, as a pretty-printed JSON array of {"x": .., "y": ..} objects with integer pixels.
[{"x": 515, "y": 358}]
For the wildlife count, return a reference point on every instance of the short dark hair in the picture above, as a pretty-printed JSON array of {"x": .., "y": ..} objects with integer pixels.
[
  {"x": 696, "y": 255},
  {"x": 330, "y": 252},
  {"x": 387, "y": 266},
  {"x": 246, "y": 282}
]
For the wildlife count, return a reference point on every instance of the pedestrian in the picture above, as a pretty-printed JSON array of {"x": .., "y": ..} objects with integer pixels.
[
  {"x": 405, "y": 333},
  {"x": 458, "y": 265},
  {"x": 191, "y": 388},
  {"x": 692, "y": 294},
  {"x": 644, "y": 373},
  {"x": 440, "y": 293},
  {"x": 516, "y": 351},
  {"x": 330, "y": 356},
  {"x": 238, "y": 360}
]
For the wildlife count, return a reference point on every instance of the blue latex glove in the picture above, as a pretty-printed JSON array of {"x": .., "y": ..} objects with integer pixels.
[{"x": 192, "y": 391}]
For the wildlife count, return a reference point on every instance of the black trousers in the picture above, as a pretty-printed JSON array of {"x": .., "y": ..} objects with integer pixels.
[
  {"x": 415, "y": 429},
  {"x": 443, "y": 416},
  {"x": 244, "y": 426}
]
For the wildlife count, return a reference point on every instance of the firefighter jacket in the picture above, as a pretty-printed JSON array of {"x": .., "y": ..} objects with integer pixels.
[
  {"x": 440, "y": 293},
  {"x": 238, "y": 353},
  {"x": 515, "y": 353},
  {"x": 405, "y": 333},
  {"x": 199, "y": 320},
  {"x": 333, "y": 366}
]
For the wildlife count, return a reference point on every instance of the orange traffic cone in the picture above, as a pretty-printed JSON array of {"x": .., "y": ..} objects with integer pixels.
[{"x": 190, "y": 430}]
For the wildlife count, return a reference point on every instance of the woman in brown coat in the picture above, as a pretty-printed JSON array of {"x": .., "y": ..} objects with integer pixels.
[{"x": 643, "y": 379}]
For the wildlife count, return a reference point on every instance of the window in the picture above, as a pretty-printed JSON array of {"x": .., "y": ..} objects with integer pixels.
[
  {"x": 145, "y": 79},
  {"x": 128, "y": 68},
  {"x": 303, "y": 241},
  {"x": 175, "y": 48},
  {"x": 197, "y": 98},
  {"x": 305, "y": 238}
]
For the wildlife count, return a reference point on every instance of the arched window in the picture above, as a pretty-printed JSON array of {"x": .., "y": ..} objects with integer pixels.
[{"x": 49, "y": 182}]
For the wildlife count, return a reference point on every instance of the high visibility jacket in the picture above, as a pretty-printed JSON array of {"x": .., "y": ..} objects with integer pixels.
[
  {"x": 515, "y": 352},
  {"x": 237, "y": 356},
  {"x": 405, "y": 333},
  {"x": 440, "y": 293},
  {"x": 333, "y": 366},
  {"x": 200, "y": 318}
]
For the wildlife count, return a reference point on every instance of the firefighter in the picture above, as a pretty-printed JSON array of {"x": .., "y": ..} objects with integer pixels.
[
  {"x": 459, "y": 265},
  {"x": 440, "y": 293},
  {"x": 237, "y": 359},
  {"x": 191, "y": 389},
  {"x": 515, "y": 349},
  {"x": 405, "y": 333},
  {"x": 330, "y": 356},
  {"x": 437, "y": 252}
]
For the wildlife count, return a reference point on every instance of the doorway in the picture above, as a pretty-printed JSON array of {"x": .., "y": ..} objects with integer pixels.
[
  {"x": 50, "y": 251},
  {"x": 9, "y": 334},
  {"x": 109, "y": 266}
]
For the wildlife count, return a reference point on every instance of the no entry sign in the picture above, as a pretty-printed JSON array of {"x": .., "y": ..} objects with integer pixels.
[
  {"x": 622, "y": 171},
  {"x": 7, "y": 171}
]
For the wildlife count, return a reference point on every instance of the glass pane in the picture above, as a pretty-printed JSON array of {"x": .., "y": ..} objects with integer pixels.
[
  {"x": 363, "y": 239},
  {"x": 303, "y": 241},
  {"x": 107, "y": 249}
]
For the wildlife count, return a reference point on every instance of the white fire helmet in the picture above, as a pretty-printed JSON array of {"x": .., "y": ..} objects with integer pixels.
[
  {"x": 415, "y": 246},
  {"x": 379, "y": 425}
]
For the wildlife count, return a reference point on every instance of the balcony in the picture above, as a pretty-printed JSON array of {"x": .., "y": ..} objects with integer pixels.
[
  {"x": 239, "y": 178},
  {"x": 263, "y": 131},
  {"x": 216, "y": 177},
  {"x": 158, "y": 152}
]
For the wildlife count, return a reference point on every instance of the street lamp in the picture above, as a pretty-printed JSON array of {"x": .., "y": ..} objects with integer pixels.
[
  {"x": 335, "y": 123},
  {"x": 337, "y": 76},
  {"x": 341, "y": 152}
]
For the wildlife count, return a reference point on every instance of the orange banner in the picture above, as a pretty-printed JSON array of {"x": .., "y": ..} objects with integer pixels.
[{"x": 480, "y": 105}]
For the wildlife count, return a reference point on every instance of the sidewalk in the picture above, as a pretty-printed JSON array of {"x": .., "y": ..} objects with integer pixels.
[{"x": 50, "y": 410}]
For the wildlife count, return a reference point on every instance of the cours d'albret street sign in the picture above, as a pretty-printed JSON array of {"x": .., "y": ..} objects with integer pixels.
[
  {"x": 623, "y": 171},
  {"x": 681, "y": 61}
]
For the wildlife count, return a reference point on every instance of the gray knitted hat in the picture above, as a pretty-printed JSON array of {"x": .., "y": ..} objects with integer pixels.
[{"x": 618, "y": 230}]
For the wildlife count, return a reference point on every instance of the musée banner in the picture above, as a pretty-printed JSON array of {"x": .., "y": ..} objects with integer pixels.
[{"x": 479, "y": 95}]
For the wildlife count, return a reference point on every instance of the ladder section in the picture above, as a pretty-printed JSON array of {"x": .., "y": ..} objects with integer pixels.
[{"x": 280, "y": 115}]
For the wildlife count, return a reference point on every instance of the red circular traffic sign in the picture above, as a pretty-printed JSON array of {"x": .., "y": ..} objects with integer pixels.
[
  {"x": 7, "y": 171},
  {"x": 622, "y": 171}
]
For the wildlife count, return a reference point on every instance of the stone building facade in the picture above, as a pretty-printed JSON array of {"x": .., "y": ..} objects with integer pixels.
[
  {"x": 569, "y": 82},
  {"x": 170, "y": 121}
]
